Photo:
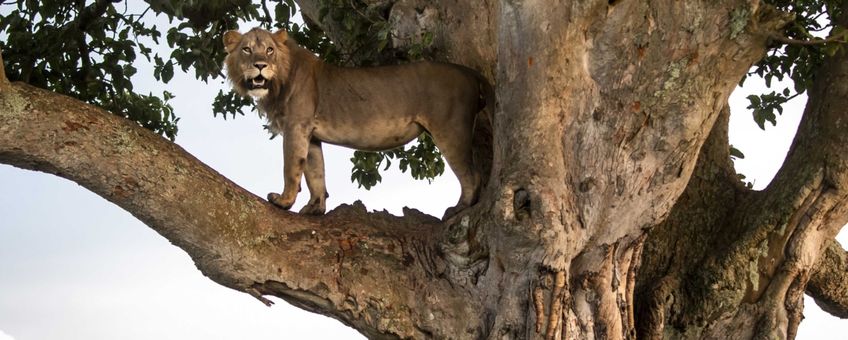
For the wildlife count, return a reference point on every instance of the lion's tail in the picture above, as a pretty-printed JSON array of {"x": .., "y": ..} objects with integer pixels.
[{"x": 482, "y": 142}]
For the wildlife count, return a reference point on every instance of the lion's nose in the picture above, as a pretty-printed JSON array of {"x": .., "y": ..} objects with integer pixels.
[{"x": 260, "y": 66}]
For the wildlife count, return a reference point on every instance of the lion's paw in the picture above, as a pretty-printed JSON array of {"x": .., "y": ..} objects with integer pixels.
[
  {"x": 313, "y": 208},
  {"x": 278, "y": 200}
]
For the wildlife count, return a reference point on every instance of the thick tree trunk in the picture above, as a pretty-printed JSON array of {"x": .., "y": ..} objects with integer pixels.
[
  {"x": 602, "y": 111},
  {"x": 610, "y": 103}
]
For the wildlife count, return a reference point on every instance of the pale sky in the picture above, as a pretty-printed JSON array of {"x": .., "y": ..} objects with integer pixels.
[{"x": 74, "y": 266}]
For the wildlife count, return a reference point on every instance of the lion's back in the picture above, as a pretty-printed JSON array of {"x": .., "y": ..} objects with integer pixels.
[{"x": 407, "y": 89}]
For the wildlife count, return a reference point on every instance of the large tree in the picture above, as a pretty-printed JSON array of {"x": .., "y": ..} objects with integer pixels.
[{"x": 612, "y": 208}]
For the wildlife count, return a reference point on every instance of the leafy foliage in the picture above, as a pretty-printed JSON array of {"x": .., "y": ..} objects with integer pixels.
[
  {"x": 423, "y": 160},
  {"x": 365, "y": 32},
  {"x": 793, "y": 61},
  {"x": 84, "y": 51},
  {"x": 365, "y": 36},
  {"x": 764, "y": 106}
]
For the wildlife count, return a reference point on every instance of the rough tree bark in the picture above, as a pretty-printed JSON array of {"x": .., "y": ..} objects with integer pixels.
[
  {"x": 603, "y": 109},
  {"x": 755, "y": 251}
]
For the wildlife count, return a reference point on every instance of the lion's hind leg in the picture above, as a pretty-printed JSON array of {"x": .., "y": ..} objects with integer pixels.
[{"x": 453, "y": 138}]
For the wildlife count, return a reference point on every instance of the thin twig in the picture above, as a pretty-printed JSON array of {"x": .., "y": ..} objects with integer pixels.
[
  {"x": 790, "y": 41},
  {"x": 792, "y": 96},
  {"x": 268, "y": 18}
]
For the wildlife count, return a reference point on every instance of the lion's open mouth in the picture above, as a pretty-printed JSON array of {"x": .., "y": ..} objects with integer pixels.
[{"x": 257, "y": 83}]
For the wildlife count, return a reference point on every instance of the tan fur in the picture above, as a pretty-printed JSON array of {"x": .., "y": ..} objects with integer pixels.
[{"x": 377, "y": 108}]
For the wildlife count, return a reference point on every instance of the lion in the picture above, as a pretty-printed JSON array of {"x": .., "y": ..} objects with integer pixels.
[{"x": 310, "y": 102}]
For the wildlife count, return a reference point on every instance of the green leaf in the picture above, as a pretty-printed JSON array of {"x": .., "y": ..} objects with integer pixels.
[
  {"x": 168, "y": 71},
  {"x": 760, "y": 119},
  {"x": 281, "y": 13},
  {"x": 735, "y": 153}
]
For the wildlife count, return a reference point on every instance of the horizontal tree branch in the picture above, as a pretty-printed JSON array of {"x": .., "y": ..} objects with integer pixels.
[
  {"x": 348, "y": 264},
  {"x": 829, "y": 283}
]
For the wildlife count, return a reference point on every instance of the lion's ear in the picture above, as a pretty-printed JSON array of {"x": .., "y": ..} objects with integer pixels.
[
  {"x": 231, "y": 39},
  {"x": 281, "y": 36}
]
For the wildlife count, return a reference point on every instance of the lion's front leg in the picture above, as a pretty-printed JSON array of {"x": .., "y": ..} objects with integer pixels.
[
  {"x": 295, "y": 149},
  {"x": 315, "y": 180}
]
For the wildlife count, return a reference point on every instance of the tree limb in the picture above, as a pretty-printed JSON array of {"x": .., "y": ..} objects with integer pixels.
[
  {"x": 348, "y": 264},
  {"x": 816, "y": 161},
  {"x": 786, "y": 226},
  {"x": 762, "y": 246},
  {"x": 829, "y": 283},
  {"x": 805, "y": 206}
]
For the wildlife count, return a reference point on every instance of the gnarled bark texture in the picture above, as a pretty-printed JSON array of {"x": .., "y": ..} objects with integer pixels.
[
  {"x": 729, "y": 258},
  {"x": 610, "y": 150}
]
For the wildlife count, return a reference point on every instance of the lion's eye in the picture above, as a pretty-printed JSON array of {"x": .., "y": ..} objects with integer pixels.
[
  {"x": 270, "y": 50},
  {"x": 246, "y": 50}
]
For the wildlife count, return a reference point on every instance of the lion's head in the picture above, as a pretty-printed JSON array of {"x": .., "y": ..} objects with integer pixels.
[{"x": 257, "y": 61}]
